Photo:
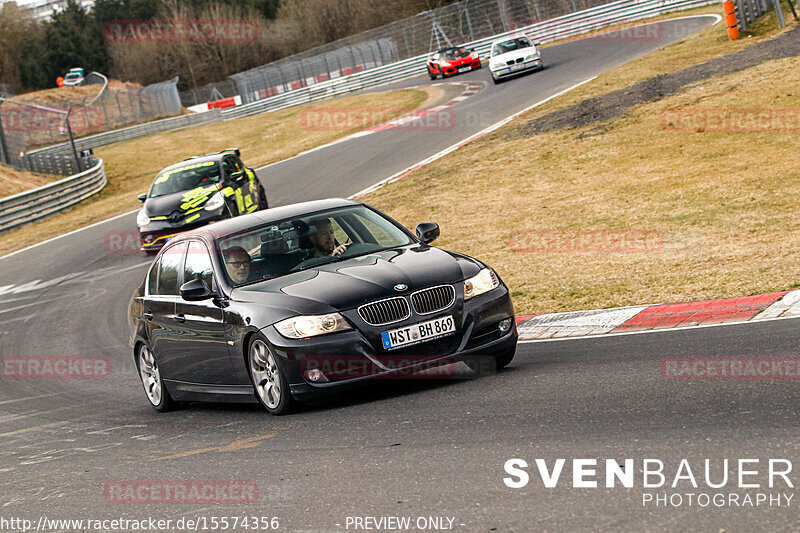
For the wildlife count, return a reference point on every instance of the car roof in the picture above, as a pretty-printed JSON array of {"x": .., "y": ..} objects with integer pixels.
[
  {"x": 230, "y": 226},
  {"x": 509, "y": 38},
  {"x": 193, "y": 160}
]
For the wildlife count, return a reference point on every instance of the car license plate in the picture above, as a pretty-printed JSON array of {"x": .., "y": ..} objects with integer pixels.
[
  {"x": 416, "y": 333},
  {"x": 464, "y": 69},
  {"x": 518, "y": 66}
]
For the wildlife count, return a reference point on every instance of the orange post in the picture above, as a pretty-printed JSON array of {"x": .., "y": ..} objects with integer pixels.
[{"x": 730, "y": 19}]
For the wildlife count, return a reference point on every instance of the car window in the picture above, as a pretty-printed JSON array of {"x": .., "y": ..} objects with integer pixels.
[
  {"x": 185, "y": 178},
  {"x": 455, "y": 53},
  {"x": 152, "y": 279},
  {"x": 298, "y": 243},
  {"x": 198, "y": 264},
  {"x": 231, "y": 166},
  {"x": 168, "y": 268},
  {"x": 511, "y": 45}
]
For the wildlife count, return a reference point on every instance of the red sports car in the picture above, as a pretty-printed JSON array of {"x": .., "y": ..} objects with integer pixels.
[{"x": 450, "y": 61}]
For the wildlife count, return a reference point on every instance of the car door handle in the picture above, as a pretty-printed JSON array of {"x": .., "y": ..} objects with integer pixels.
[
  {"x": 148, "y": 315},
  {"x": 180, "y": 318}
]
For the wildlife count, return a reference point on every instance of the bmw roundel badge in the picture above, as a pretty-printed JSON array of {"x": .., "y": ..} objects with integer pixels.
[{"x": 400, "y": 287}]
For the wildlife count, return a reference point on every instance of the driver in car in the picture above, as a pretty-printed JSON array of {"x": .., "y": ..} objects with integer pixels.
[
  {"x": 323, "y": 240},
  {"x": 237, "y": 262}
]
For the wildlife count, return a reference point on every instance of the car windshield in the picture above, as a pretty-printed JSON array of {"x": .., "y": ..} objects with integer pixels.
[
  {"x": 72, "y": 76},
  {"x": 305, "y": 242},
  {"x": 454, "y": 53},
  {"x": 185, "y": 178},
  {"x": 510, "y": 45}
]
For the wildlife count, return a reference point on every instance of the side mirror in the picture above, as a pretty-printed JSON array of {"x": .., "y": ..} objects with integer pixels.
[
  {"x": 195, "y": 290},
  {"x": 428, "y": 232},
  {"x": 537, "y": 45},
  {"x": 238, "y": 177},
  {"x": 142, "y": 197}
]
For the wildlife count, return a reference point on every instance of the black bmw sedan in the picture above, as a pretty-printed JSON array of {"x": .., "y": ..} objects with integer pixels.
[{"x": 284, "y": 305}]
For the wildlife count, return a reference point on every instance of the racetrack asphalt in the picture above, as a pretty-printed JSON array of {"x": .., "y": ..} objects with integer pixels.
[{"x": 432, "y": 447}]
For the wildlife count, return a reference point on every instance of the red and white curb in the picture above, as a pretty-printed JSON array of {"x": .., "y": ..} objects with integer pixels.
[{"x": 657, "y": 317}]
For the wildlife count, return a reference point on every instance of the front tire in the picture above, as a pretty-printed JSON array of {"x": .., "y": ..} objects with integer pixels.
[
  {"x": 269, "y": 383},
  {"x": 152, "y": 381},
  {"x": 431, "y": 75}
]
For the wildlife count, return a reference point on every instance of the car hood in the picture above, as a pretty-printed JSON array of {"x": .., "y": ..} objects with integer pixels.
[
  {"x": 514, "y": 54},
  {"x": 178, "y": 201},
  {"x": 347, "y": 284}
]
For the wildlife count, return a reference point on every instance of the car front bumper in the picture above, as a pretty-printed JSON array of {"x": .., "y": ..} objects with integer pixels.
[
  {"x": 509, "y": 71},
  {"x": 348, "y": 358},
  {"x": 155, "y": 235}
]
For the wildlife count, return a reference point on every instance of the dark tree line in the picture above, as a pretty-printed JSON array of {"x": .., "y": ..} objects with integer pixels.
[{"x": 33, "y": 54}]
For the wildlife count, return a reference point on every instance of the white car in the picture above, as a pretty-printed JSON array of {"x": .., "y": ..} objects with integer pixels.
[
  {"x": 74, "y": 77},
  {"x": 513, "y": 55}
]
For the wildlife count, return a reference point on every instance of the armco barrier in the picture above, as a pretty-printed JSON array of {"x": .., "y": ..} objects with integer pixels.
[
  {"x": 132, "y": 132},
  {"x": 29, "y": 206},
  {"x": 562, "y": 27}
]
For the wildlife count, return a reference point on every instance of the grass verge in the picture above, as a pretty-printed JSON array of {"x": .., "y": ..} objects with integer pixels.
[
  {"x": 263, "y": 139},
  {"x": 14, "y": 181},
  {"x": 632, "y": 211}
]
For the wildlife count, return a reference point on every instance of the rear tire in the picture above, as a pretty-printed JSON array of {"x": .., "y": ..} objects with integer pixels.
[
  {"x": 269, "y": 382},
  {"x": 152, "y": 381}
]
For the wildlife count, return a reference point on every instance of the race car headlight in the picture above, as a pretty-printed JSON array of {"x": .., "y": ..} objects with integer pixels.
[
  {"x": 446, "y": 64},
  {"x": 531, "y": 57},
  {"x": 215, "y": 202},
  {"x": 301, "y": 327},
  {"x": 142, "y": 219},
  {"x": 482, "y": 282}
]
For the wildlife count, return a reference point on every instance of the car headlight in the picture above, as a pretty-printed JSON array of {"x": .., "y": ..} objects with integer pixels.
[
  {"x": 531, "y": 57},
  {"x": 301, "y": 327},
  {"x": 482, "y": 282},
  {"x": 446, "y": 64},
  {"x": 142, "y": 219},
  {"x": 495, "y": 66},
  {"x": 215, "y": 202}
]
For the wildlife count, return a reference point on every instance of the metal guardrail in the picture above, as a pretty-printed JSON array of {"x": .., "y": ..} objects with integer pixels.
[
  {"x": 30, "y": 206},
  {"x": 577, "y": 23},
  {"x": 132, "y": 132}
]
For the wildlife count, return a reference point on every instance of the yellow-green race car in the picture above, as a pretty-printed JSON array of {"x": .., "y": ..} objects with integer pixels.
[{"x": 195, "y": 192}]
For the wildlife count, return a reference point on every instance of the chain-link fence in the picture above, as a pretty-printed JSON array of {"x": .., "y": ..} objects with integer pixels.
[
  {"x": 43, "y": 124},
  {"x": 208, "y": 93},
  {"x": 25, "y": 125},
  {"x": 462, "y": 22}
]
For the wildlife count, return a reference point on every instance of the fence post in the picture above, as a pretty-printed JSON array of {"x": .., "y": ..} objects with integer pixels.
[
  {"x": 779, "y": 11},
  {"x": 502, "y": 15},
  {"x": 3, "y": 145},
  {"x": 72, "y": 140}
]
